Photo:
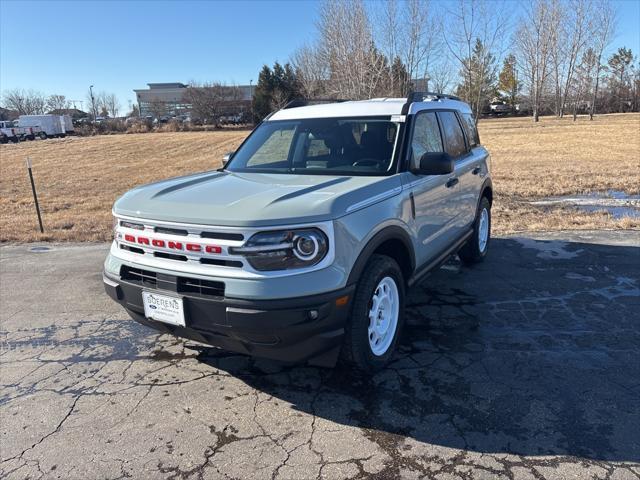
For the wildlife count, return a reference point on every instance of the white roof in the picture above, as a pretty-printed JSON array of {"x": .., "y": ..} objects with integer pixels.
[{"x": 364, "y": 108}]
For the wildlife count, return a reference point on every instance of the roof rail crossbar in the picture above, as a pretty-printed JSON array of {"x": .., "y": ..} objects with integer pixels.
[
  {"x": 303, "y": 102},
  {"x": 421, "y": 96}
]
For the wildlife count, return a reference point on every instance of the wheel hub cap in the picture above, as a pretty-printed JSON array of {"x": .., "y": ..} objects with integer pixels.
[
  {"x": 383, "y": 316},
  {"x": 483, "y": 230}
]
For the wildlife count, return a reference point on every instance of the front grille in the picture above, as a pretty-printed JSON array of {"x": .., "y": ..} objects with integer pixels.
[
  {"x": 129, "y": 248},
  {"x": 186, "y": 285},
  {"x": 170, "y": 256},
  {"x": 172, "y": 231},
  {"x": 139, "y": 276},
  {"x": 206, "y": 288},
  {"x": 221, "y": 263},
  {"x": 222, "y": 236}
]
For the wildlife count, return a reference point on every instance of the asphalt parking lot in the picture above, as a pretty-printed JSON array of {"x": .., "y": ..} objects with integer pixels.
[{"x": 525, "y": 367}]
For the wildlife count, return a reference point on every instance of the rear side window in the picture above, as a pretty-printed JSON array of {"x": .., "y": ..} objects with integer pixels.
[
  {"x": 426, "y": 136},
  {"x": 472, "y": 130},
  {"x": 452, "y": 132}
]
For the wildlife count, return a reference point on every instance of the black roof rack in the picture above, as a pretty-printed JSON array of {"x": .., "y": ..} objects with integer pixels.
[
  {"x": 303, "y": 102},
  {"x": 421, "y": 96}
]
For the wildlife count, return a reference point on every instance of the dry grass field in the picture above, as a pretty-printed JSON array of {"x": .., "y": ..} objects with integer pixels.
[{"x": 79, "y": 178}]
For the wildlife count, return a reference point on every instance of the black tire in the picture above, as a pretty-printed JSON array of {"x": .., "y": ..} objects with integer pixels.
[
  {"x": 472, "y": 252},
  {"x": 356, "y": 350},
  {"x": 42, "y": 135}
]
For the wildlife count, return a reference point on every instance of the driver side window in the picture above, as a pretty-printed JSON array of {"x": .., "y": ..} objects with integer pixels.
[{"x": 426, "y": 137}]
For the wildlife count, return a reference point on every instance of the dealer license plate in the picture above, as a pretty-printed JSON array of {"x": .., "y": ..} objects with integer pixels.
[{"x": 163, "y": 308}]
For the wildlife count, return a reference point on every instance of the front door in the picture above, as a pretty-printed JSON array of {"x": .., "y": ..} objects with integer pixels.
[{"x": 433, "y": 195}]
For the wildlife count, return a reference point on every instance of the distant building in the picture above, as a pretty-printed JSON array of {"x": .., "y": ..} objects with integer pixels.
[{"x": 170, "y": 98}]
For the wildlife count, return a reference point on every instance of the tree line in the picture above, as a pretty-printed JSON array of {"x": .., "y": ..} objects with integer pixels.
[
  {"x": 32, "y": 102},
  {"x": 553, "y": 58}
]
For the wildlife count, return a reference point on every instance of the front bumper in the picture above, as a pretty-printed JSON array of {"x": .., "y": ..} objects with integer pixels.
[{"x": 305, "y": 329}]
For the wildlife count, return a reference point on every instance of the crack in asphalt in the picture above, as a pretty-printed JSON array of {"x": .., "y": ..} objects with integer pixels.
[{"x": 497, "y": 375}]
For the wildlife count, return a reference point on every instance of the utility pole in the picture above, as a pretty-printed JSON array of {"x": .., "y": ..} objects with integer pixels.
[
  {"x": 251, "y": 97},
  {"x": 93, "y": 102}
]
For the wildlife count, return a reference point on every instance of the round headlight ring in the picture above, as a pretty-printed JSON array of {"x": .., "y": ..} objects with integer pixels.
[{"x": 306, "y": 246}]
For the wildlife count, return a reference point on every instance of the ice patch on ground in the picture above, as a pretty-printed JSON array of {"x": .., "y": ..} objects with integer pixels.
[
  {"x": 618, "y": 204},
  {"x": 549, "y": 249}
]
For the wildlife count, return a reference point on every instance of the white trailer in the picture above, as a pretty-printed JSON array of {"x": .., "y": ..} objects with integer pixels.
[
  {"x": 51, "y": 125},
  {"x": 68, "y": 123}
]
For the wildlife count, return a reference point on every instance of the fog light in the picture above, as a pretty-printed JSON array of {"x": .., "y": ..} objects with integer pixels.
[{"x": 312, "y": 314}]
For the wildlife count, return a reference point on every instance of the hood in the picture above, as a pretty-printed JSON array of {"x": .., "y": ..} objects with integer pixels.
[{"x": 252, "y": 199}]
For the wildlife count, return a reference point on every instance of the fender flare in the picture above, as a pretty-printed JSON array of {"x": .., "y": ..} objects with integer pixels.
[
  {"x": 392, "y": 232},
  {"x": 486, "y": 185}
]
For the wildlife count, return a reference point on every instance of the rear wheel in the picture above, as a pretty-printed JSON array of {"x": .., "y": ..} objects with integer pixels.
[
  {"x": 477, "y": 246},
  {"x": 376, "y": 316},
  {"x": 42, "y": 135}
]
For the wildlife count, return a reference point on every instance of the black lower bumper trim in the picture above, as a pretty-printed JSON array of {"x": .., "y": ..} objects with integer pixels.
[{"x": 305, "y": 329}]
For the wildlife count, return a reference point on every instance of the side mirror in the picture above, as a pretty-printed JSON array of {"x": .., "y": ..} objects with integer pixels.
[
  {"x": 435, "y": 163},
  {"x": 226, "y": 157}
]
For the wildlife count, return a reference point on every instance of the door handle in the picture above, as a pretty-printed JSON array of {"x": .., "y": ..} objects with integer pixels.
[
  {"x": 476, "y": 171},
  {"x": 451, "y": 182}
]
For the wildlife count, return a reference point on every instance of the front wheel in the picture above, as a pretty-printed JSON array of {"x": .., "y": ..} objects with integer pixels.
[
  {"x": 477, "y": 246},
  {"x": 376, "y": 316}
]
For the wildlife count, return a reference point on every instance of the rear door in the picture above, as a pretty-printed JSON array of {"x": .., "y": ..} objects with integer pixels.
[
  {"x": 433, "y": 195},
  {"x": 473, "y": 169},
  {"x": 465, "y": 197}
]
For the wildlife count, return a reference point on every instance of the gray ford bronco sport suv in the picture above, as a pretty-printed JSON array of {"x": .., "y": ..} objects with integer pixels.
[{"x": 302, "y": 246}]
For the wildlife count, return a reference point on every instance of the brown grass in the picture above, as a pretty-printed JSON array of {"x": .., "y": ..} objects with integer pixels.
[
  {"x": 560, "y": 157},
  {"x": 79, "y": 178}
]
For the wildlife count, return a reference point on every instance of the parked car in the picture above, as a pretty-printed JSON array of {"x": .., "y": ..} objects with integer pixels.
[
  {"x": 10, "y": 132},
  {"x": 302, "y": 246},
  {"x": 499, "y": 108}
]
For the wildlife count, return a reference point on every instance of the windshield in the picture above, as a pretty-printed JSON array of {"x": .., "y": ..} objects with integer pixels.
[{"x": 330, "y": 146}]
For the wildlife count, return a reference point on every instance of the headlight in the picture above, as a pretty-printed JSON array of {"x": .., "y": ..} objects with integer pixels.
[{"x": 284, "y": 249}]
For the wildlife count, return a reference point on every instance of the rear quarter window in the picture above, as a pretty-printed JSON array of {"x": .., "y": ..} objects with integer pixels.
[
  {"x": 472, "y": 130},
  {"x": 453, "y": 136}
]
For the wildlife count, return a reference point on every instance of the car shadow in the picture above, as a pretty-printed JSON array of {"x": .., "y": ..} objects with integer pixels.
[{"x": 536, "y": 351}]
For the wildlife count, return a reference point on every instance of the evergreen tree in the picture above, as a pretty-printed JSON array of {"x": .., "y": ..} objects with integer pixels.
[
  {"x": 276, "y": 87},
  {"x": 262, "y": 94},
  {"x": 508, "y": 79},
  {"x": 478, "y": 75},
  {"x": 619, "y": 64}
]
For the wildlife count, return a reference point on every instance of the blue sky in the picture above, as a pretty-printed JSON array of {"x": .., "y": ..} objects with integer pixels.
[{"x": 63, "y": 47}]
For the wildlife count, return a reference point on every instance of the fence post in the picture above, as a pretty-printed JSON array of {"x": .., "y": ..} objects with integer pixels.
[{"x": 35, "y": 195}]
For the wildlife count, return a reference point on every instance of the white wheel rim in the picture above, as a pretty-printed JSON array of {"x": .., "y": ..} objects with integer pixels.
[
  {"x": 383, "y": 316},
  {"x": 483, "y": 230}
]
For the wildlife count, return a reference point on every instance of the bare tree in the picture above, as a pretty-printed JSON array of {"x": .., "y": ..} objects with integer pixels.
[
  {"x": 157, "y": 108},
  {"x": 583, "y": 81},
  {"x": 474, "y": 22},
  {"x": 57, "y": 102},
  {"x": 311, "y": 71},
  {"x": 603, "y": 31},
  {"x": 357, "y": 70},
  {"x": 111, "y": 104},
  {"x": 209, "y": 99},
  {"x": 25, "y": 102},
  {"x": 413, "y": 34},
  {"x": 442, "y": 77},
  {"x": 534, "y": 40},
  {"x": 571, "y": 27}
]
